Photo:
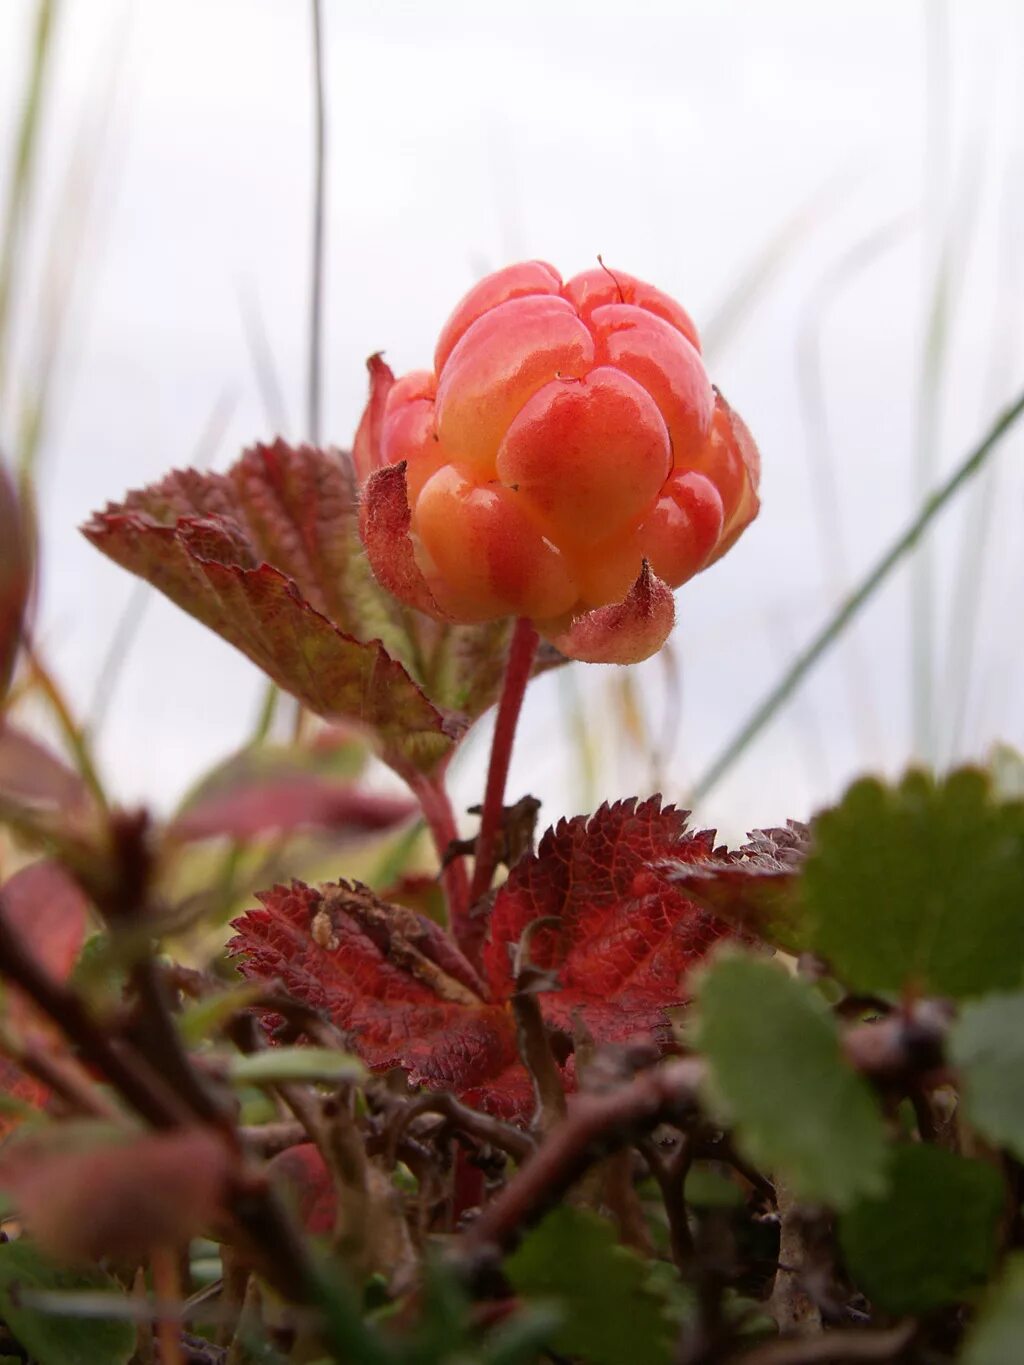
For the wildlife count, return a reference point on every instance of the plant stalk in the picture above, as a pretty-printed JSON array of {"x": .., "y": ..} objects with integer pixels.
[{"x": 521, "y": 653}]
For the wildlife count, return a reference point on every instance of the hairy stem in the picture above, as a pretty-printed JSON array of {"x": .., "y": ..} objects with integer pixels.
[{"x": 521, "y": 653}]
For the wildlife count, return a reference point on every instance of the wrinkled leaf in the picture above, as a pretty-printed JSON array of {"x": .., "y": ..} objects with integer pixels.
[
  {"x": 608, "y": 935},
  {"x": 931, "y": 1239},
  {"x": 756, "y": 888},
  {"x": 987, "y": 1045},
  {"x": 920, "y": 885},
  {"x": 52, "y": 1339},
  {"x": 995, "y": 1336},
  {"x": 393, "y": 980},
  {"x": 616, "y": 934},
  {"x": 777, "y": 1073},
  {"x": 306, "y": 1064},
  {"x": 610, "y": 1315},
  {"x": 268, "y": 556}
]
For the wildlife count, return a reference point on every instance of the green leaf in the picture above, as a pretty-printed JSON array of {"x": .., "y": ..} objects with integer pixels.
[
  {"x": 932, "y": 1239},
  {"x": 778, "y": 1074},
  {"x": 920, "y": 885},
  {"x": 202, "y": 1018},
  {"x": 996, "y": 1334},
  {"x": 987, "y": 1044},
  {"x": 611, "y": 1317},
  {"x": 308, "y": 1064},
  {"x": 52, "y": 1339}
]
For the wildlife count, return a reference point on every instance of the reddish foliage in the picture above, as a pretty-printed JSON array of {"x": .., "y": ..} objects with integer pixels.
[
  {"x": 30, "y": 775},
  {"x": 120, "y": 1199},
  {"x": 50, "y": 915},
  {"x": 303, "y": 1176},
  {"x": 283, "y": 803},
  {"x": 616, "y": 936},
  {"x": 620, "y": 936},
  {"x": 756, "y": 888},
  {"x": 268, "y": 556}
]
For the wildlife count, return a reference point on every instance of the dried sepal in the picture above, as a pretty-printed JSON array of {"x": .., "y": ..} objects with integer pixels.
[{"x": 626, "y": 632}]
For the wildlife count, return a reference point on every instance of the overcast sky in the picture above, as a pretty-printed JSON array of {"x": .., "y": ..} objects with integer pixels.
[{"x": 683, "y": 143}]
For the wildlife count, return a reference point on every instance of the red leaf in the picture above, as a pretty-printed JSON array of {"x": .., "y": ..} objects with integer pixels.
[
  {"x": 616, "y": 935},
  {"x": 621, "y": 936},
  {"x": 268, "y": 556},
  {"x": 285, "y": 803},
  {"x": 756, "y": 888},
  {"x": 18, "y": 1085},
  {"x": 30, "y": 775},
  {"x": 49, "y": 913},
  {"x": 15, "y": 575},
  {"x": 392, "y": 979},
  {"x": 121, "y": 1199},
  {"x": 303, "y": 1175}
]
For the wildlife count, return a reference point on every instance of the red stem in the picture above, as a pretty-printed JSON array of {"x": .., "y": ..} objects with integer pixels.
[
  {"x": 436, "y": 805},
  {"x": 521, "y": 652}
]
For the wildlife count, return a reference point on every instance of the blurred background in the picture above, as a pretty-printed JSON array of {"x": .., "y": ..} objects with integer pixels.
[{"x": 835, "y": 193}]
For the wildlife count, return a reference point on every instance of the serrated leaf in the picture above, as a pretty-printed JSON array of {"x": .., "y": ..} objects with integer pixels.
[
  {"x": 305, "y": 1064},
  {"x": 987, "y": 1045},
  {"x": 610, "y": 1317},
  {"x": 995, "y": 1336},
  {"x": 614, "y": 941},
  {"x": 777, "y": 1072},
  {"x": 260, "y": 611},
  {"x": 53, "y": 1340},
  {"x": 617, "y": 934},
  {"x": 932, "y": 1238},
  {"x": 920, "y": 886},
  {"x": 756, "y": 888},
  {"x": 269, "y": 556},
  {"x": 394, "y": 981}
]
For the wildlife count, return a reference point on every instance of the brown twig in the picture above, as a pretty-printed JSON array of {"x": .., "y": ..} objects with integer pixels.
[
  {"x": 482, "y": 1127},
  {"x": 670, "y": 1171},
  {"x": 129, "y": 1073},
  {"x": 596, "y": 1125}
]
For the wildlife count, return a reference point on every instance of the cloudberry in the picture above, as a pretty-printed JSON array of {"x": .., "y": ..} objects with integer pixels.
[{"x": 566, "y": 459}]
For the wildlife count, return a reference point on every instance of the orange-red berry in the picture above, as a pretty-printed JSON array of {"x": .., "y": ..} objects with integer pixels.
[{"x": 567, "y": 434}]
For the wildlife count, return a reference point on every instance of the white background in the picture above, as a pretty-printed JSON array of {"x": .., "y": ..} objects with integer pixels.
[{"x": 683, "y": 142}]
